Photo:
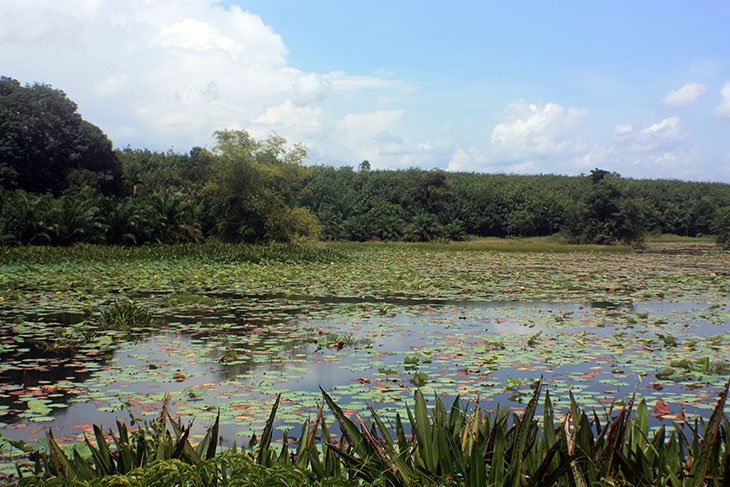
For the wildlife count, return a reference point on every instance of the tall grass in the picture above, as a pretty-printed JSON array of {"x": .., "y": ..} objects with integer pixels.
[
  {"x": 458, "y": 446},
  {"x": 551, "y": 244},
  {"x": 209, "y": 251}
]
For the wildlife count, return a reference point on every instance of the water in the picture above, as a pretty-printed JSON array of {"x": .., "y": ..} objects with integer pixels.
[{"x": 237, "y": 354}]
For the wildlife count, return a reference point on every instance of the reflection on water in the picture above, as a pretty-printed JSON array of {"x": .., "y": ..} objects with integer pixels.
[{"x": 238, "y": 352}]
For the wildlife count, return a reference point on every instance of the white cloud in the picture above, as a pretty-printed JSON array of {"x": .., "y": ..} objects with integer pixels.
[
  {"x": 311, "y": 88},
  {"x": 532, "y": 139},
  {"x": 658, "y": 136},
  {"x": 669, "y": 127},
  {"x": 382, "y": 138},
  {"x": 475, "y": 159},
  {"x": 295, "y": 120},
  {"x": 684, "y": 96},
  {"x": 658, "y": 150},
  {"x": 461, "y": 161},
  {"x": 110, "y": 85},
  {"x": 170, "y": 73},
  {"x": 723, "y": 109},
  {"x": 193, "y": 35},
  {"x": 528, "y": 129},
  {"x": 163, "y": 74},
  {"x": 344, "y": 82},
  {"x": 528, "y": 138},
  {"x": 368, "y": 135},
  {"x": 666, "y": 157}
]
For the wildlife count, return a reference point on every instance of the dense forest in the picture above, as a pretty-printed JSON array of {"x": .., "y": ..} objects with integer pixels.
[{"x": 61, "y": 182}]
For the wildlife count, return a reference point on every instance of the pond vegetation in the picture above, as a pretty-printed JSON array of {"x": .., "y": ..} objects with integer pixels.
[
  {"x": 212, "y": 328},
  {"x": 458, "y": 447}
]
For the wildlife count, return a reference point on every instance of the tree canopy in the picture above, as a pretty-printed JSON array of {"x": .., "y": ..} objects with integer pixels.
[
  {"x": 251, "y": 189},
  {"x": 45, "y": 144},
  {"x": 60, "y": 183}
]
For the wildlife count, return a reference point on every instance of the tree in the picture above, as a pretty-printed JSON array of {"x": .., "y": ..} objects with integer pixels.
[
  {"x": 424, "y": 227},
  {"x": 702, "y": 216},
  {"x": 723, "y": 227},
  {"x": 386, "y": 221},
  {"x": 43, "y": 140},
  {"x": 431, "y": 191},
  {"x": 23, "y": 218},
  {"x": 608, "y": 213},
  {"x": 252, "y": 189}
]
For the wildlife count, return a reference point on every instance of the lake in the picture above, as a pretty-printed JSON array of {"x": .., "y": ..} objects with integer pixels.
[{"x": 235, "y": 352}]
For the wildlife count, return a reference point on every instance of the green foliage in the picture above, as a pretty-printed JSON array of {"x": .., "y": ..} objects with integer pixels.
[
  {"x": 424, "y": 227},
  {"x": 252, "y": 188},
  {"x": 146, "y": 172},
  {"x": 43, "y": 140},
  {"x": 608, "y": 213},
  {"x": 211, "y": 251},
  {"x": 123, "y": 315},
  {"x": 23, "y": 218},
  {"x": 339, "y": 341},
  {"x": 722, "y": 224},
  {"x": 455, "y": 230},
  {"x": 455, "y": 447},
  {"x": 249, "y": 190},
  {"x": 152, "y": 452},
  {"x": 26, "y": 218}
]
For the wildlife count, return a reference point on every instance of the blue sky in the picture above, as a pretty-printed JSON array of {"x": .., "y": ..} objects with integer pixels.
[{"x": 639, "y": 87}]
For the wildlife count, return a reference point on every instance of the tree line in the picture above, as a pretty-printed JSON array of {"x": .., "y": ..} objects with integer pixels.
[{"x": 61, "y": 183}]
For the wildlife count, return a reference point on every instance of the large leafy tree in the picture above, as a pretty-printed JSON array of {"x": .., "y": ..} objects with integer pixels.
[
  {"x": 608, "y": 212},
  {"x": 253, "y": 188},
  {"x": 43, "y": 140}
]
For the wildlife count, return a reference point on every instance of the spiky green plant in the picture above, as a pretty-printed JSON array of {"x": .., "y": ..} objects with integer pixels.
[
  {"x": 122, "y": 315},
  {"x": 458, "y": 447}
]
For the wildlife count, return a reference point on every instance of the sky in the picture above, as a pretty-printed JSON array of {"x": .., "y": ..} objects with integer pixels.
[{"x": 641, "y": 88}]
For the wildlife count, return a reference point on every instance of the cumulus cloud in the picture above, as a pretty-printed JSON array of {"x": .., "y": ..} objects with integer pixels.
[
  {"x": 382, "y": 138},
  {"x": 310, "y": 88},
  {"x": 529, "y": 129},
  {"x": 684, "y": 96},
  {"x": 723, "y": 109},
  {"x": 372, "y": 135},
  {"x": 656, "y": 150},
  {"x": 110, "y": 85},
  {"x": 163, "y": 74},
  {"x": 528, "y": 138},
  {"x": 288, "y": 114},
  {"x": 531, "y": 139},
  {"x": 667, "y": 133},
  {"x": 170, "y": 73}
]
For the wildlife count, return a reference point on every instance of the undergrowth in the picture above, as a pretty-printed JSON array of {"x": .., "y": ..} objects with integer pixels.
[
  {"x": 460, "y": 446},
  {"x": 209, "y": 251}
]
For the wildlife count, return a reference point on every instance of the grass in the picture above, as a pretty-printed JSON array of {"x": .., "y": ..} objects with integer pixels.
[
  {"x": 672, "y": 238},
  {"x": 550, "y": 243},
  {"x": 214, "y": 251},
  {"x": 123, "y": 315},
  {"x": 210, "y": 251},
  {"x": 516, "y": 244}
]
